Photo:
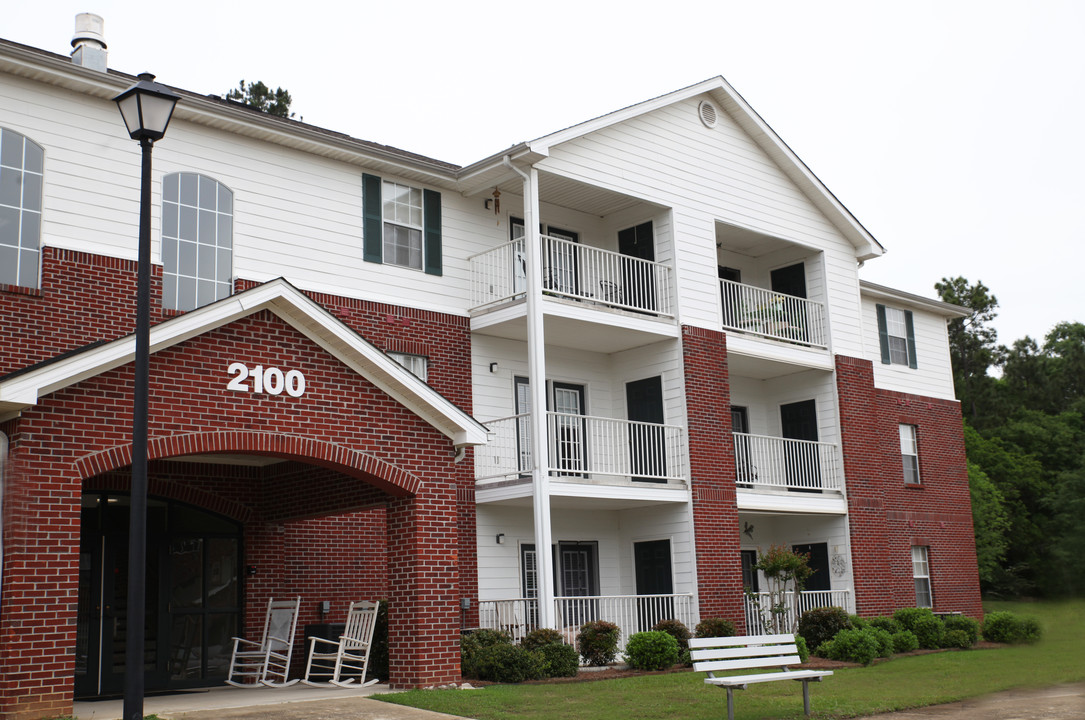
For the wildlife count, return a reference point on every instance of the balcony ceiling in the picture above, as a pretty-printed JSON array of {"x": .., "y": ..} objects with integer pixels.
[
  {"x": 573, "y": 194},
  {"x": 747, "y": 242}
]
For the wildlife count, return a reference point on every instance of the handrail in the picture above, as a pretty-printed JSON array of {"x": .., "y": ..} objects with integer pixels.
[
  {"x": 773, "y": 315},
  {"x": 784, "y": 463}
]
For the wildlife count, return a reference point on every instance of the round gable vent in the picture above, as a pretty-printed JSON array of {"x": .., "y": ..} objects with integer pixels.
[{"x": 708, "y": 113}]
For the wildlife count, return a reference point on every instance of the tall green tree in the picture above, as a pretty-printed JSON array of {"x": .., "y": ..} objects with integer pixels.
[
  {"x": 991, "y": 523},
  {"x": 260, "y": 96},
  {"x": 972, "y": 347}
]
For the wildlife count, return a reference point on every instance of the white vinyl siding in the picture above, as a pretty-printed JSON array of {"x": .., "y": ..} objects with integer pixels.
[{"x": 933, "y": 376}]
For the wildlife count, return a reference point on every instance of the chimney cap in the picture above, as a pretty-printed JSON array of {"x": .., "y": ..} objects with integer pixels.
[{"x": 89, "y": 27}]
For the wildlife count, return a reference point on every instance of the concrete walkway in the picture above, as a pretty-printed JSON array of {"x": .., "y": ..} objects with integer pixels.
[
  {"x": 297, "y": 702},
  {"x": 1062, "y": 702}
]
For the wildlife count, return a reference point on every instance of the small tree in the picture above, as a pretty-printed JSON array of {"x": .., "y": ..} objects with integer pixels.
[
  {"x": 786, "y": 572},
  {"x": 259, "y": 96}
]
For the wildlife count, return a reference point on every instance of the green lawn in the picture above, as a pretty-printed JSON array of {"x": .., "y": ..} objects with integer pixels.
[{"x": 898, "y": 684}]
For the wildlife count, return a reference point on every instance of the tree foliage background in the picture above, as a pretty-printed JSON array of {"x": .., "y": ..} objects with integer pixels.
[
  {"x": 260, "y": 96},
  {"x": 1023, "y": 408}
]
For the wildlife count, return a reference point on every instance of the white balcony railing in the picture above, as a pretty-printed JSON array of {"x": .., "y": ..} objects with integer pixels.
[
  {"x": 584, "y": 445},
  {"x": 574, "y": 271},
  {"x": 774, "y": 315},
  {"x": 774, "y": 463},
  {"x": 761, "y": 622},
  {"x": 631, "y": 613}
]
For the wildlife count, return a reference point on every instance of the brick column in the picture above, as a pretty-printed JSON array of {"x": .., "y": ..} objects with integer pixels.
[
  {"x": 423, "y": 575},
  {"x": 712, "y": 475}
]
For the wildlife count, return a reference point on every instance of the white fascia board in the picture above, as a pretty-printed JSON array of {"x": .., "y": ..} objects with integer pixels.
[
  {"x": 787, "y": 503},
  {"x": 294, "y": 308},
  {"x": 938, "y": 307}
]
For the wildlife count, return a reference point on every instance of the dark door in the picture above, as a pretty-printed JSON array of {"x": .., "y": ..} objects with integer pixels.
[
  {"x": 749, "y": 573},
  {"x": 192, "y": 595},
  {"x": 647, "y": 445},
  {"x": 798, "y": 421},
  {"x": 730, "y": 295},
  {"x": 652, "y": 565},
  {"x": 819, "y": 563},
  {"x": 638, "y": 286},
  {"x": 745, "y": 473},
  {"x": 562, "y": 272},
  {"x": 578, "y": 576},
  {"x": 791, "y": 280}
]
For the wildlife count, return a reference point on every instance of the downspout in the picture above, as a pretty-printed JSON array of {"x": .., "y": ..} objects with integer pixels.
[{"x": 536, "y": 354}]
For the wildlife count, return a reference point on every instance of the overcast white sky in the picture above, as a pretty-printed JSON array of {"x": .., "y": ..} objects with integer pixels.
[{"x": 952, "y": 130}]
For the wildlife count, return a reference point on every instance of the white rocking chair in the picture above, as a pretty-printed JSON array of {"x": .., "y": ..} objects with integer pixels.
[
  {"x": 267, "y": 662},
  {"x": 345, "y": 660}
]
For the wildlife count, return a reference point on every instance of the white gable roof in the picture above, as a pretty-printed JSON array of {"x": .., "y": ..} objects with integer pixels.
[{"x": 23, "y": 389}]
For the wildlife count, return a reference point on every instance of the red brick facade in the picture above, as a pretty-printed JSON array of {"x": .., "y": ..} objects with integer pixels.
[
  {"x": 712, "y": 474},
  {"x": 363, "y": 474},
  {"x": 887, "y": 516}
]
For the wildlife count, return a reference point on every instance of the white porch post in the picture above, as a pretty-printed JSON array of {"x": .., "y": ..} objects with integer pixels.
[{"x": 536, "y": 351}]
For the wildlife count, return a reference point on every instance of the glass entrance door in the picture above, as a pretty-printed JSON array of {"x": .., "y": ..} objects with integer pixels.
[{"x": 192, "y": 594}]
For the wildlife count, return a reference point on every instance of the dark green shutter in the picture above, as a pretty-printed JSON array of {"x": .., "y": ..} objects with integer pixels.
[
  {"x": 883, "y": 334},
  {"x": 431, "y": 224},
  {"x": 372, "y": 223},
  {"x": 911, "y": 339}
]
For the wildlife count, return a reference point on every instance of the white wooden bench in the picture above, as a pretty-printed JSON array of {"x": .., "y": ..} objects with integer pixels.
[{"x": 712, "y": 655}]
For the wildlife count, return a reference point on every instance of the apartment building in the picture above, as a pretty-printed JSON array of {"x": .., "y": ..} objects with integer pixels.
[{"x": 642, "y": 341}]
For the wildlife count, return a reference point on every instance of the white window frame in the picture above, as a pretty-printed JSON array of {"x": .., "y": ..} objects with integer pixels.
[
  {"x": 921, "y": 574},
  {"x": 896, "y": 326},
  {"x": 213, "y": 243},
  {"x": 909, "y": 453},
  {"x": 403, "y": 224},
  {"x": 418, "y": 365},
  {"x": 25, "y": 254}
]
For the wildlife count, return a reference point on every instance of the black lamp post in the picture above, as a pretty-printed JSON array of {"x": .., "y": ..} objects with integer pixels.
[{"x": 146, "y": 108}]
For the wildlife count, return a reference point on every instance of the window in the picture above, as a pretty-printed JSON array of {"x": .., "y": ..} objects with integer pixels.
[
  {"x": 402, "y": 225},
  {"x": 21, "y": 167},
  {"x": 896, "y": 336},
  {"x": 197, "y": 240},
  {"x": 909, "y": 453},
  {"x": 921, "y": 571},
  {"x": 417, "y": 364}
]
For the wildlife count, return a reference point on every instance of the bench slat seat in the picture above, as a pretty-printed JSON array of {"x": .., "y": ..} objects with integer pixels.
[{"x": 749, "y": 652}]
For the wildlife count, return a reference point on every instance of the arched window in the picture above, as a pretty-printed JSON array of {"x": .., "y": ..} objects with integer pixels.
[
  {"x": 21, "y": 164},
  {"x": 197, "y": 240}
]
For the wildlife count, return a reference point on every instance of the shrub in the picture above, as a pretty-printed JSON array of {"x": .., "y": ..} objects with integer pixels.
[
  {"x": 677, "y": 630},
  {"x": 885, "y": 641},
  {"x": 597, "y": 642},
  {"x": 1006, "y": 627},
  {"x": 905, "y": 641},
  {"x": 927, "y": 627},
  {"x": 849, "y": 645},
  {"x": 471, "y": 645},
  {"x": 540, "y": 637},
  {"x": 508, "y": 664},
  {"x": 858, "y": 622},
  {"x": 961, "y": 624},
  {"x": 821, "y": 624},
  {"x": 652, "y": 650},
  {"x": 559, "y": 660},
  {"x": 804, "y": 651},
  {"x": 714, "y": 627},
  {"x": 888, "y": 624}
]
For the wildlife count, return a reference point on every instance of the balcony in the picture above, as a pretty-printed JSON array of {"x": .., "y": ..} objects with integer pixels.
[
  {"x": 631, "y": 613},
  {"x": 575, "y": 272},
  {"x": 773, "y": 464},
  {"x": 759, "y": 621},
  {"x": 584, "y": 448},
  {"x": 773, "y": 316}
]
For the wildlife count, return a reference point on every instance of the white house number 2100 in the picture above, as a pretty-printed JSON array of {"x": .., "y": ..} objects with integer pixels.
[{"x": 270, "y": 380}]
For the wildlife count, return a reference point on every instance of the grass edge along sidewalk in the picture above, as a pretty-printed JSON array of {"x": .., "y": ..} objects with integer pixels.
[{"x": 897, "y": 684}]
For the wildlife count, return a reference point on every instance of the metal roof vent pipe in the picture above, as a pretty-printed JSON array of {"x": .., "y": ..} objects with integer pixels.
[{"x": 88, "y": 43}]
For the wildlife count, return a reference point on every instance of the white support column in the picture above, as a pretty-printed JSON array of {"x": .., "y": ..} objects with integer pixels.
[{"x": 536, "y": 351}]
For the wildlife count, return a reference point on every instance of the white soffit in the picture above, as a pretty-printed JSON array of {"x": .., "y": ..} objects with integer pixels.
[{"x": 24, "y": 389}]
